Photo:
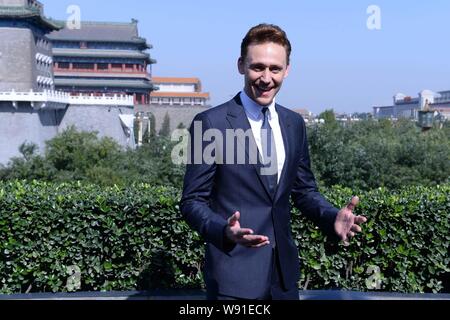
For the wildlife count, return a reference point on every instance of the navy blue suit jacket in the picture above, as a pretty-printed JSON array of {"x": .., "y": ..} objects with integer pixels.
[{"x": 215, "y": 191}]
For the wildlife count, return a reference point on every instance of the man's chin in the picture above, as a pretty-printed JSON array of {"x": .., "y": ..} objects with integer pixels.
[{"x": 264, "y": 101}]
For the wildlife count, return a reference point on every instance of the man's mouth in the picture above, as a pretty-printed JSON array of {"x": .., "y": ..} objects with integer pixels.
[{"x": 264, "y": 91}]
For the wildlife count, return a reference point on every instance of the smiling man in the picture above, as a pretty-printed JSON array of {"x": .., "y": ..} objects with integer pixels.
[
  {"x": 243, "y": 210},
  {"x": 265, "y": 65}
]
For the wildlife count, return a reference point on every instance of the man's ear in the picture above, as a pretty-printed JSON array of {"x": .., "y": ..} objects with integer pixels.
[
  {"x": 241, "y": 66},
  {"x": 288, "y": 69}
]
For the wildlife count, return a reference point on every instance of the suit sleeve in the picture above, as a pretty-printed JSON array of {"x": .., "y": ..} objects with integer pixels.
[
  {"x": 198, "y": 184},
  {"x": 305, "y": 194}
]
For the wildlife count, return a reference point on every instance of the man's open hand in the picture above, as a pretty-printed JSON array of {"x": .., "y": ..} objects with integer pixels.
[
  {"x": 347, "y": 224},
  {"x": 243, "y": 236}
]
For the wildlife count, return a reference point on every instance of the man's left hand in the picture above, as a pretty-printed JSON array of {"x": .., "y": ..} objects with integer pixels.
[{"x": 347, "y": 224}]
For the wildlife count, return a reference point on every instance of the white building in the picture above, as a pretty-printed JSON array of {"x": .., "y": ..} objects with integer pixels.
[
  {"x": 408, "y": 107},
  {"x": 178, "y": 92}
]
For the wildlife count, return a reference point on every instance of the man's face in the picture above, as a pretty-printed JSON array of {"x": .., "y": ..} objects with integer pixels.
[{"x": 264, "y": 68}]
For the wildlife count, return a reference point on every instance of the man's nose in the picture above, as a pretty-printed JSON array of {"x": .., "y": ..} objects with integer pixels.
[{"x": 266, "y": 77}]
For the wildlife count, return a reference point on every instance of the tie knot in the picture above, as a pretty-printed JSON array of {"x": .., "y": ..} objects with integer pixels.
[{"x": 264, "y": 110}]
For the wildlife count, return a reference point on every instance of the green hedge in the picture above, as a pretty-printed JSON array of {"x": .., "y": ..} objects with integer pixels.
[
  {"x": 404, "y": 246},
  {"x": 76, "y": 237}
]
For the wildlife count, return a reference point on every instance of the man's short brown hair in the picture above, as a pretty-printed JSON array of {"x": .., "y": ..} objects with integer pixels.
[{"x": 264, "y": 33}]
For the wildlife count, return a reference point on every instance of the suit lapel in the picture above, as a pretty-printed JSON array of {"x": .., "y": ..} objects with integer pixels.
[
  {"x": 238, "y": 120},
  {"x": 285, "y": 124}
]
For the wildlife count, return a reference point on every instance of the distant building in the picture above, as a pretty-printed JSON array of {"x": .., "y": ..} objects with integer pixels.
[
  {"x": 441, "y": 103},
  {"x": 345, "y": 119},
  {"x": 102, "y": 58},
  {"x": 30, "y": 109},
  {"x": 25, "y": 51},
  {"x": 181, "y": 99},
  {"x": 408, "y": 107},
  {"x": 306, "y": 114},
  {"x": 178, "y": 91}
]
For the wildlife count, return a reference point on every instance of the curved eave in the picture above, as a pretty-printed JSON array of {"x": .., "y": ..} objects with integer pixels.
[
  {"x": 55, "y": 25},
  {"x": 35, "y": 16},
  {"x": 143, "y": 42},
  {"x": 145, "y": 46}
]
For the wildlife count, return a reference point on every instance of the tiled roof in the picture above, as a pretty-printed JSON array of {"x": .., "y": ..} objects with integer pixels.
[{"x": 101, "y": 32}]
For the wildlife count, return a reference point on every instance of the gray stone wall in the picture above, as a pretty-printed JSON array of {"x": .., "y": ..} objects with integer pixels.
[
  {"x": 25, "y": 125},
  {"x": 17, "y": 60},
  {"x": 177, "y": 114},
  {"x": 28, "y": 125},
  {"x": 103, "y": 119}
]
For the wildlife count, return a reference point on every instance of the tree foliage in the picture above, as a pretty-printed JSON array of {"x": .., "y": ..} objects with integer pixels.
[
  {"x": 363, "y": 155},
  {"x": 371, "y": 154},
  {"x": 83, "y": 156}
]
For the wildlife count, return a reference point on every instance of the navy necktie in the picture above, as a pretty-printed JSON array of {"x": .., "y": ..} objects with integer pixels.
[{"x": 269, "y": 151}]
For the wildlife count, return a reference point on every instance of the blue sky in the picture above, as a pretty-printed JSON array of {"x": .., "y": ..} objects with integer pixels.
[{"x": 337, "y": 62}]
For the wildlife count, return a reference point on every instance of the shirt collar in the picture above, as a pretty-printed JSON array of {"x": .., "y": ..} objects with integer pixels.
[{"x": 253, "y": 109}]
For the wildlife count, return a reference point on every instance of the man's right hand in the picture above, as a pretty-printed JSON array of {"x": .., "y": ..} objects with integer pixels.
[{"x": 242, "y": 236}]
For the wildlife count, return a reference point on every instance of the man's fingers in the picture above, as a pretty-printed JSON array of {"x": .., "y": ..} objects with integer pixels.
[
  {"x": 251, "y": 240},
  {"x": 352, "y": 205},
  {"x": 255, "y": 238},
  {"x": 344, "y": 240},
  {"x": 265, "y": 243},
  {"x": 234, "y": 218},
  {"x": 356, "y": 228},
  {"x": 360, "y": 219},
  {"x": 244, "y": 232}
]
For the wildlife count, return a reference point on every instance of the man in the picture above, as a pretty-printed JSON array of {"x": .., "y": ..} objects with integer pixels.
[{"x": 242, "y": 209}]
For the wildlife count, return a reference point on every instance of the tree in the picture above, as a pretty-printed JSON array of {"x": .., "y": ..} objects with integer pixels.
[
  {"x": 165, "y": 128},
  {"x": 328, "y": 116},
  {"x": 152, "y": 120},
  {"x": 29, "y": 166},
  {"x": 28, "y": 150}
]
